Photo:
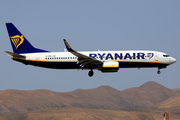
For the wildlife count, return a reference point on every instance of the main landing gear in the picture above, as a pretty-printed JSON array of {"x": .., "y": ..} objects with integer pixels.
[
  {"x": 158, "y": 72},
  {"x": 91, "y": 73}
]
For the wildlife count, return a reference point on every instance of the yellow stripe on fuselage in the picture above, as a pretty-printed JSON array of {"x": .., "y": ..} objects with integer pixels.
[{"x": 110, "y": 66}]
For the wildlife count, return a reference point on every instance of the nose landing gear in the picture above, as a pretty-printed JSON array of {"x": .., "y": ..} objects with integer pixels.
[
  {"x": 91, "y": 73},
  {"x": 159, "y": 72}
]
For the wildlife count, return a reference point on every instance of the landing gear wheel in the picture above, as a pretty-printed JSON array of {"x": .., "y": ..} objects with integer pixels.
[
  {"x": 158, "y": 72},
  {"x": 90, "y": 73}
]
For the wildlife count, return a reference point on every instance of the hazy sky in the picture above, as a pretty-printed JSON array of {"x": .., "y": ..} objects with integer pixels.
[{"x": 90, "y": 25}]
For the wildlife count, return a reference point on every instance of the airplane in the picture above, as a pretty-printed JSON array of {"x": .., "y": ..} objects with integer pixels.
[{"x": 104, "y": 61}]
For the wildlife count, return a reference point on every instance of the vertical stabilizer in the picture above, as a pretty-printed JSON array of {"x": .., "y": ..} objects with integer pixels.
[{"x": 19, "y": 43}]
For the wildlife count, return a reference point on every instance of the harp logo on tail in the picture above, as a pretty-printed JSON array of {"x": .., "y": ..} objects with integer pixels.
[{"x": 17, "y": 40}]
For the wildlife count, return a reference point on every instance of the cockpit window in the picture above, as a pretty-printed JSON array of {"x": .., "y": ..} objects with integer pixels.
[{"x": 166, "y": 55}]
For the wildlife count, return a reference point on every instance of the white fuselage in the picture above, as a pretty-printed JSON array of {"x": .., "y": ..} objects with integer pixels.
[{"x": 126, "y": 59}]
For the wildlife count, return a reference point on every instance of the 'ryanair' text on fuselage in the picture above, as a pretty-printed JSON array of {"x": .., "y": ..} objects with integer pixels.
[{"x": 121, "y": 56}]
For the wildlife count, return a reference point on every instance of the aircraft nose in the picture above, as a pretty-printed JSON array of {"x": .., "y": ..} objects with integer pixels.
[{"x": 173, "y": 60}]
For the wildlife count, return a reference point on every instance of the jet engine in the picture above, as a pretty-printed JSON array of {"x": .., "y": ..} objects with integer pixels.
[{"x": 110, "y": 66}]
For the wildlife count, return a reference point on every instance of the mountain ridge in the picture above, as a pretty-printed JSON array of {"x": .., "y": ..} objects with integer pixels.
[{"x": 103, "y": 97}]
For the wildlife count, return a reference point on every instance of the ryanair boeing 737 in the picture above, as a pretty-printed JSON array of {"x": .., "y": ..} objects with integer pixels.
[{"x": 105, "y": 61}]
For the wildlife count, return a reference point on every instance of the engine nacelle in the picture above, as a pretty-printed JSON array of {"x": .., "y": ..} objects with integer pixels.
[{"x": 110, "y": 66}]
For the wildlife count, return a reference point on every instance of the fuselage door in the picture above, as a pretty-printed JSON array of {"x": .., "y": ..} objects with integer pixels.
[
  {"x": 156, "y": 57},
  {"x": 37, "y": 59}
]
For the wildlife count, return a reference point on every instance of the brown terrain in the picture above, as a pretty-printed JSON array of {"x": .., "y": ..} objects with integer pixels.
[
  {"x": 177, "y": 90},
  {"x": 67, "y": 113},
  {"x": 172, "y": 102},
  {"x": 146, "y": 102}
]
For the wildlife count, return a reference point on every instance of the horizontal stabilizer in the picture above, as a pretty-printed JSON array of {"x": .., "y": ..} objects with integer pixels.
[{"x": 15, "y": 55}]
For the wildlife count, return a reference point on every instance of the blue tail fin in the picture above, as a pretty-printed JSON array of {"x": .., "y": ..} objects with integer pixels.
[{"x": 19, "y": 43}]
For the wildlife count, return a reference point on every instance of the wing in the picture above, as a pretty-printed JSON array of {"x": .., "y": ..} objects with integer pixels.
[{"x": 86, "y": 61}]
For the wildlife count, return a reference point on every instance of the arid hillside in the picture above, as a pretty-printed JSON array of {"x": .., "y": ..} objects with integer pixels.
[
  {"x": 88, "y": 114},
  {"x": 177, "y": 90},
  {"x": 103, "y": 97},
  {"x": 170, "y": 103}
]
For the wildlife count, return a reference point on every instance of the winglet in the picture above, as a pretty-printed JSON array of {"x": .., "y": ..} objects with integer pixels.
[{"x": 68, "y": 46}]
